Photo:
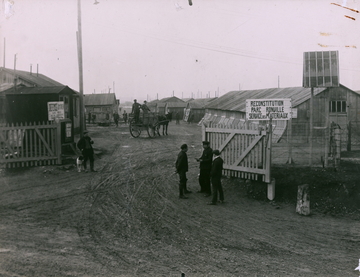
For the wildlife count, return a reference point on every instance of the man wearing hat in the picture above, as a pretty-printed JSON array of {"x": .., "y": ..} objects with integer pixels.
[
  {"x": 85, "y": 145},
  {"x": 182, "y": 167},
  {"x": 136, "y": 110},
  {"x": 205, "y": 168},
  {"x": 216, "y": 173},
  {"x": 145, "y": 108}
]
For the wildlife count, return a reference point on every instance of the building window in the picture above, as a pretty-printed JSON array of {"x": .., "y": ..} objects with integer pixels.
[{"x": 337, "y": 106}]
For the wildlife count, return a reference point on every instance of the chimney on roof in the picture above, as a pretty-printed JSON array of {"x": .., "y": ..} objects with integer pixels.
[
  {"x": 37, "y": 70},
  {"x": 30, "y": 69}
]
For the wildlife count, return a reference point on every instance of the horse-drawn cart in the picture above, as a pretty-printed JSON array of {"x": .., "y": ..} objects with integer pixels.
[{"x": 149, "y": 121}]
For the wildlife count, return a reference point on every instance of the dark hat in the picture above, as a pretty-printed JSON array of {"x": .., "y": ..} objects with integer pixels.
[
  {"x": 216, "y": 152},
  {"x": 205, "y": 142},
  {"x": 184, "y": 146},
  {"x": 85, "y": 132}
]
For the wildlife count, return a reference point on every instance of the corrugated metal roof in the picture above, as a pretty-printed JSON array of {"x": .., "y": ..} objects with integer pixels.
[
  {"x": 99, "y": 99},
  {"x": 176, "y": 104},
  {"x": 236, "y": 100},
  {"x": 170, "y": 99},
  {"x": 37, "y": 90},
  {"x": 200, "y": 103},
  {"x": 187, "y": 99},
  {"x": 37, "y": 79}
]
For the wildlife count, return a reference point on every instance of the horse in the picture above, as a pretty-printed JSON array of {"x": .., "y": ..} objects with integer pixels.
[
  {"x": 169, "y": 116},
  {"x": 163, "y": 120}
]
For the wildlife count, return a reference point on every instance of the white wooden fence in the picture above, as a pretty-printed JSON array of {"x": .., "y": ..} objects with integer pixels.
[{"x": 30, "y": 144}]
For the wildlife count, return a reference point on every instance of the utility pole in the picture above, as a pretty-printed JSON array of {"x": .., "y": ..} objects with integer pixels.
[
  {"x": 81, "y": 85},
  {"x": 15, "y": 71},
  {"x": 4, "y": 52},
  {"x": 311, "y": 125},
  {"x": 278, "y": 81}
]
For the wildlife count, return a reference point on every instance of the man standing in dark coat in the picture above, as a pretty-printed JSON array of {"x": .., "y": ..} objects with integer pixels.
[
  {"x": 116, "y": 119},
  {"x": 125, "y": 117},
  {"x": 181, "y": 169},
  {"x": 205, "y": 168},
  {"x": 85, "y": 145},
  {"x": 145, "y": 108},
  {"x": 216, "y": 173},
  {"x": 136, "y": 110}
]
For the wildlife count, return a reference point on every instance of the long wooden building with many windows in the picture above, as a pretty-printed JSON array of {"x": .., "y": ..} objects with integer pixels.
[{"x": 333, "y": 105}]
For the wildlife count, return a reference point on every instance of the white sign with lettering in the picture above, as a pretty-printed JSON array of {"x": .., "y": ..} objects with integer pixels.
[
  {"x": 56, "y": 110},
  {"x": 266, "y": 109}
]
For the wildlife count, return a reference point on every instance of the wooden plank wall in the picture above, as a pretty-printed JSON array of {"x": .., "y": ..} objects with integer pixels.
[{"x": 30, "y": 144}]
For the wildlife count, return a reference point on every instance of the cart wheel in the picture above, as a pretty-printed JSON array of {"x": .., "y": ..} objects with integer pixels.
[
  {"x": 135, "y": 129},
  {"x": 151, "y": 131}
]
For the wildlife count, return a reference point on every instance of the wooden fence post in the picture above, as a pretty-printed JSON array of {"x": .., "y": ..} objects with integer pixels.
[
  {"x": 349, "y": 137},
  {"x": 337, "y": 135},
  {"x": 203, "y": 131},
  {"x": 58, "y": 143},
  {"x": 268, "y": 153},
  {"x": 271, "y": 189}
]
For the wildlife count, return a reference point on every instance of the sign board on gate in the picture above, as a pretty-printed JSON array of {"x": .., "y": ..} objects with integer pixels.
[
  {"x": 266, "y": 109},
  {"x": 56, "y": 110}
]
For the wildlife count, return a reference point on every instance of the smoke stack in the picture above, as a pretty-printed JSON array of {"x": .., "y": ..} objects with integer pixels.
[
  {"x": 37, "y": 70},
  {"x": 30, "y": 69}
]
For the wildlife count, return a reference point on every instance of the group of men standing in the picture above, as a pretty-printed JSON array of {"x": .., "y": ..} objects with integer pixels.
[{"x": 211, "y": 165}]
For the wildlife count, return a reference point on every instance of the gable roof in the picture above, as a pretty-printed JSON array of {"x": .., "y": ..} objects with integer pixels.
[
  {"x": 176, "y": 104},
  {"x": 236, "y": 100},
  {"x": 170, "y": 99},
  {"x": 200, "y": 103},
  {"x": 99, "y": 99},
  {"x": 37, "y": 90},
  {"x": 36, "y": 79},
  {"x": 187, "y": 99}
]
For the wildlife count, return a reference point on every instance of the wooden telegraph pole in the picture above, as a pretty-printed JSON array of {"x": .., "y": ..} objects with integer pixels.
[
  {"x": 311, "y": 126},
  {"x": 81, "y": 84}
]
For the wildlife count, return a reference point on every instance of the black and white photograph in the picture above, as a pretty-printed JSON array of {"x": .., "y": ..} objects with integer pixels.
[{"x": 180, "y": 138}]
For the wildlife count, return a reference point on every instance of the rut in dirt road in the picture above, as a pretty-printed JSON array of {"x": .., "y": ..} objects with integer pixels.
[
  {"x": 137, "y": 223},
  {"x": 127, "y": 220}
]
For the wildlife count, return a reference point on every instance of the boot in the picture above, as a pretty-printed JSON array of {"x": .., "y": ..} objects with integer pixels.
[
  {"x": 186, "y": 190},
  {"x": 181, "y": 192},
  {"x": 92, "y": 166}
]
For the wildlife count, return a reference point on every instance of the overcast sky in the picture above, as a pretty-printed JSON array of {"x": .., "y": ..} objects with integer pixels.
[{"x": 146, "y": 49}]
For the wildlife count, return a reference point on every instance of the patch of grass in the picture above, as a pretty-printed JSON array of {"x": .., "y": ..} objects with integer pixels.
[{"x": 332, "y": 191}]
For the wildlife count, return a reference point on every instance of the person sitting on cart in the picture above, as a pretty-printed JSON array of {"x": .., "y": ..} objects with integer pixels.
[
  {"x": 145, "y": 108},
  {"x": 136, "y": 110}
]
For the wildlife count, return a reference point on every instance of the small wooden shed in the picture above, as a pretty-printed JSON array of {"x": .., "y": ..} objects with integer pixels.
[
  {"x": 10, "y": 78},
  {"x": 168, "y": 105},
  {"x": 30, "y": 104},
  {"x": 100, "y": 107}
]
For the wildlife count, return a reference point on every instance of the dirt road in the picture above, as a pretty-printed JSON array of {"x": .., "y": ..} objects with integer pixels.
[{"x": 127, "y": 220}]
